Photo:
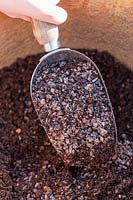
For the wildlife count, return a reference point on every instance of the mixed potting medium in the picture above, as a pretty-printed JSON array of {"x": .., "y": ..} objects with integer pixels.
[
  {"x": 72, "y": 103},
  {"x": 30, "y": 167}
]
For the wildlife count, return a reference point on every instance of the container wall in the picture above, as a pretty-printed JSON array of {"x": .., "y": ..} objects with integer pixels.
[{"x": 100, "y": 24}]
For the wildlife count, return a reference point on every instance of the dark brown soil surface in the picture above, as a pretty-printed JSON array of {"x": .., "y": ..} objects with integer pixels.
[{"x": 30, "y": 169}]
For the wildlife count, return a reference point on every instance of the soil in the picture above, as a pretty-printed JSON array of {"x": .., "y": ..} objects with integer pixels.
[
  {"x": 73, "y": 106},
  {"x": 30, "y": 168}
]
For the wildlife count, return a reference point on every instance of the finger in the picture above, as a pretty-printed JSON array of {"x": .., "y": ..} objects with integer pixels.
[
  {"x": 51, "y": 14},
  {"x": 24, "y": 18},
  {"x": 55, "y": 14},
  {"x": 43, "y": 2},
  {"x": 9, "y": 14},
  {"x": 54, "y": 1},
  {"x": 18, "y": 16}
]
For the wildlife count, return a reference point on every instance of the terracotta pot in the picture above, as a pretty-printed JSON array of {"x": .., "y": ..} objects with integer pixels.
[{"x": 100, "y": 24}]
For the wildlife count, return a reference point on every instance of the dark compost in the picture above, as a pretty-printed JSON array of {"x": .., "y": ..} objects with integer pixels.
[{"x": 30, "y": 168}]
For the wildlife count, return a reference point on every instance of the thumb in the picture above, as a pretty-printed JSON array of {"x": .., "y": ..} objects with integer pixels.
[{"x": 46, "y": 12}]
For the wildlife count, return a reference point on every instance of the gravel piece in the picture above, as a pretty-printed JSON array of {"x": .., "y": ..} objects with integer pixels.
[
  {"x": 73, "y": 106},
  {"x": 30, "y": 162}
]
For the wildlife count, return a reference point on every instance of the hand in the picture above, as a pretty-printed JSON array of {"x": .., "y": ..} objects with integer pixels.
[{"x": 43, "y": 10}]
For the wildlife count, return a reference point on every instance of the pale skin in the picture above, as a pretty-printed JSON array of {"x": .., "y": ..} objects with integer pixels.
[{"x": 43, "y": 10}]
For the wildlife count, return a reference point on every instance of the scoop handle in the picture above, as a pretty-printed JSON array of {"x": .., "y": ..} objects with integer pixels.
[{"x": 46, "y": 34}]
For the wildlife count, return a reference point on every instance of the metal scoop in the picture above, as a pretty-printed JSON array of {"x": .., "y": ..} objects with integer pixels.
[{"x": 72, "y": 103}]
